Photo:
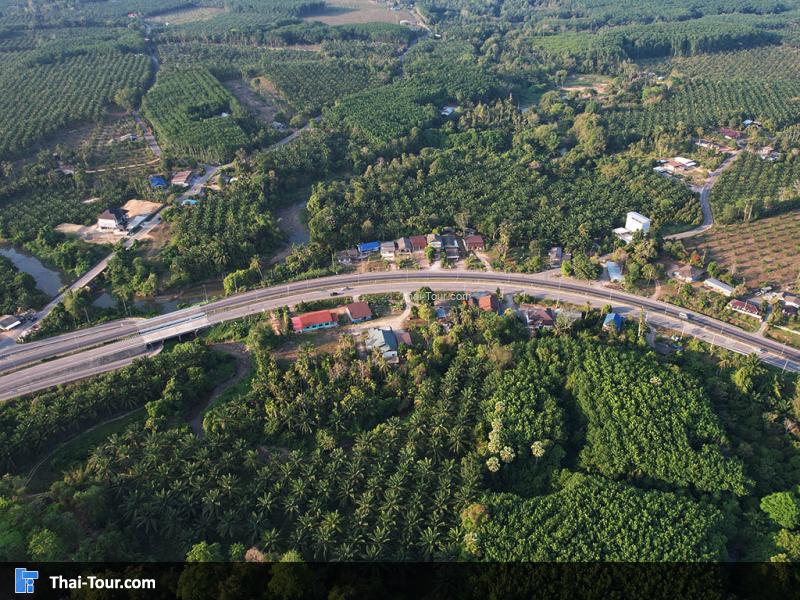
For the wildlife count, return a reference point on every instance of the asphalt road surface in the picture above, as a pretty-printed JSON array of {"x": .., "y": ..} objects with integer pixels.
[{"x": 109, "y": 346}]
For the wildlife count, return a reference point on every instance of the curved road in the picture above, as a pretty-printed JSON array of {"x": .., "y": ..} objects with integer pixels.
[
  {"x": 705, "y": 203},
  {"x": 109, "y": 346}
]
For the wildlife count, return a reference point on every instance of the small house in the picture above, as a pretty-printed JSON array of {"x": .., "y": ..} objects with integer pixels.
[
  {"x": 716, "y": 285},
  {"x": 347, "y": 257},
  {"x": 365, "y": 248},
  {"x": 404, "y": 245},
  {"x": 688, "y": 274},
  {"x": 746, "y": 308},
  {"x": 612, "y": 321},
  {"x": 537, "y": 317},
  {"x": 358, "y": 312},
  {"x": 8, "y": 322},
  {"x": 730, "y": 134},
  {"x": 387, "y": 250},
  {"x": 485, "y": 301},
  {"x": 157, "y": 182},
  {"x": 113, "y": 218},
  {"x": 182, "y": 178},
  {"x": 435, "y": 241},
  {"x": 555, "y": 256},
  {"x": 447, "y": 110},
  {"x": 418, "y": 242},
  {"x": 320, "y": 319},
  {"x": 383, "y": 340},
  {"x": 791, "y": 300},
  {"x": 474, "y": 242}
]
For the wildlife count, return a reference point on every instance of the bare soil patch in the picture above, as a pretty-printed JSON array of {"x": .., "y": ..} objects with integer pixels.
[
  {"x": 188, "y": 15},
  {"x": 347, "y": 12}
]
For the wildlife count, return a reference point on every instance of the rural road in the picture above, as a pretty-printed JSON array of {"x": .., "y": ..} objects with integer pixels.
[
  {"x": 103, "y": 349},
  {"x": 705, "y": 203}
]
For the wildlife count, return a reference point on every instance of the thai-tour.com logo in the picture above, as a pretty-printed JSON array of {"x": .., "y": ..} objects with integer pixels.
[{"x": 24, "y": 580}]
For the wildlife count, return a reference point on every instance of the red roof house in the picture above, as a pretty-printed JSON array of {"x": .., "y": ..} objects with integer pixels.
[
  {"x": 731, "y": 134},
  {"x": 746, "y": 308},
  {"x": 320, "y": 319},
  {"x": 473, "y": 242},
  {"x": 358, "y": 311},
  {"x": 418, "y": 242}
]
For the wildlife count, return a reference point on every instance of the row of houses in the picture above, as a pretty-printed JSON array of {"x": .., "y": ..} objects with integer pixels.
[
  {"x": 452, "y": 245},
  {"x": 357, "y": 312}
]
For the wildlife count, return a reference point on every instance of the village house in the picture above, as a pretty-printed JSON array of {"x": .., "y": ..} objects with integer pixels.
[
  {"x": 791, "y": 300},
  {"x": 688, "y": 274},
  {"x": 358, "y": 312},
  {"x": 537, "y": 317},
  {"x": 157, "y": 182},
  {"x": 383, "y": 340},
  {"x": 347, "y": 257},
  {"x": 555, "y": 257},
  {"x": 388, "y": 250},
  {"x": 366, "y": 248},
  {"x": 447, "y": 110},
  {"x": 730, "y": 134},
  {"x": 418, "y": 242},
  {"x": 435, "y": 241},
  {"x": 182, "y": 178},
  {"x": 717, "y": 286},
  {"x": 320, "y": 319},
  {"x": 404, "y": 245},
  {"x": 612, "y": 321},
  {"x": 486, "y": 301},
  {"x": 473, "y": 242},
  {"x": 746, "y": 308},
  {"x": 113, "y": 218},
  {"x": 8, "y": 322}
]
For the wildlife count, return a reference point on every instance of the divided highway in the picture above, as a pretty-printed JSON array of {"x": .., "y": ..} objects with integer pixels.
[{"x": 111, "y": 345}]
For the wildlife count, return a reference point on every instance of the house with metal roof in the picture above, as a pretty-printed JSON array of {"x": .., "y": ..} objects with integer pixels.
[
  {"x": 358, "y": 312},
  {"x": 320, "y": 319},
  {"x": 718, "y": 286},
  {"x": 383, "y": 340},
  {"x": 613, "y": 321},
  {"x": 387, "y": 250},
  {"x": 369, "y": 247}
]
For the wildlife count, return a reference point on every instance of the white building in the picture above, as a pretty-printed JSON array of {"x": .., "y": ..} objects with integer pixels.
[
  {"x": 718, "y": 286},
  {"x": 637, "y": 222},
  {"x": 387, "y": 250},
  {"x": 8, "y": 322}
]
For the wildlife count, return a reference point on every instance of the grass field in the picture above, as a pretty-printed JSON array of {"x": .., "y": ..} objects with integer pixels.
[
  {"x": 346, "y": 12},
  {"x": 585, "y": 82},
  {"x": 767, "y": 250}
]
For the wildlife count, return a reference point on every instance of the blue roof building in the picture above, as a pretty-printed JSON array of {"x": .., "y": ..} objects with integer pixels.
[
  {"x": 189, "y": 202},
  {"x": 612, "y": 320},
  {"x": 157, "y": 182},
  {"x": 367, "y": 247}
]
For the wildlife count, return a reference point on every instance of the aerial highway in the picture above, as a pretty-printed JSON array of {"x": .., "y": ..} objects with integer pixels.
[{"x": 65, "y": 358}]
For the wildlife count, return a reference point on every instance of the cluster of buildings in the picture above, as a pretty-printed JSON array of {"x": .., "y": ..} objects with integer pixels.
[
  {"x": 634, "y": 222},
  {"x": 357, "y": 312},
  {"x": 675, "y": 165},
  {"x": 181, "y": 179},
  {"x": 453, "y": 246}
]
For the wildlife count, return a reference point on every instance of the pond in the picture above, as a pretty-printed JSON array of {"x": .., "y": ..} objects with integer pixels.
[{"x": 50, "y": 281}]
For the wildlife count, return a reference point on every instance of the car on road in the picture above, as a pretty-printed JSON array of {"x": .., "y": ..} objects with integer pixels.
[
  {"x": 334, "y": 293},
  {"x": 684, "y": 315}
]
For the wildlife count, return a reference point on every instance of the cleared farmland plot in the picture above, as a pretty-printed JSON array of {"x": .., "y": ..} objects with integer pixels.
[{"x": 767, "y": 250}]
